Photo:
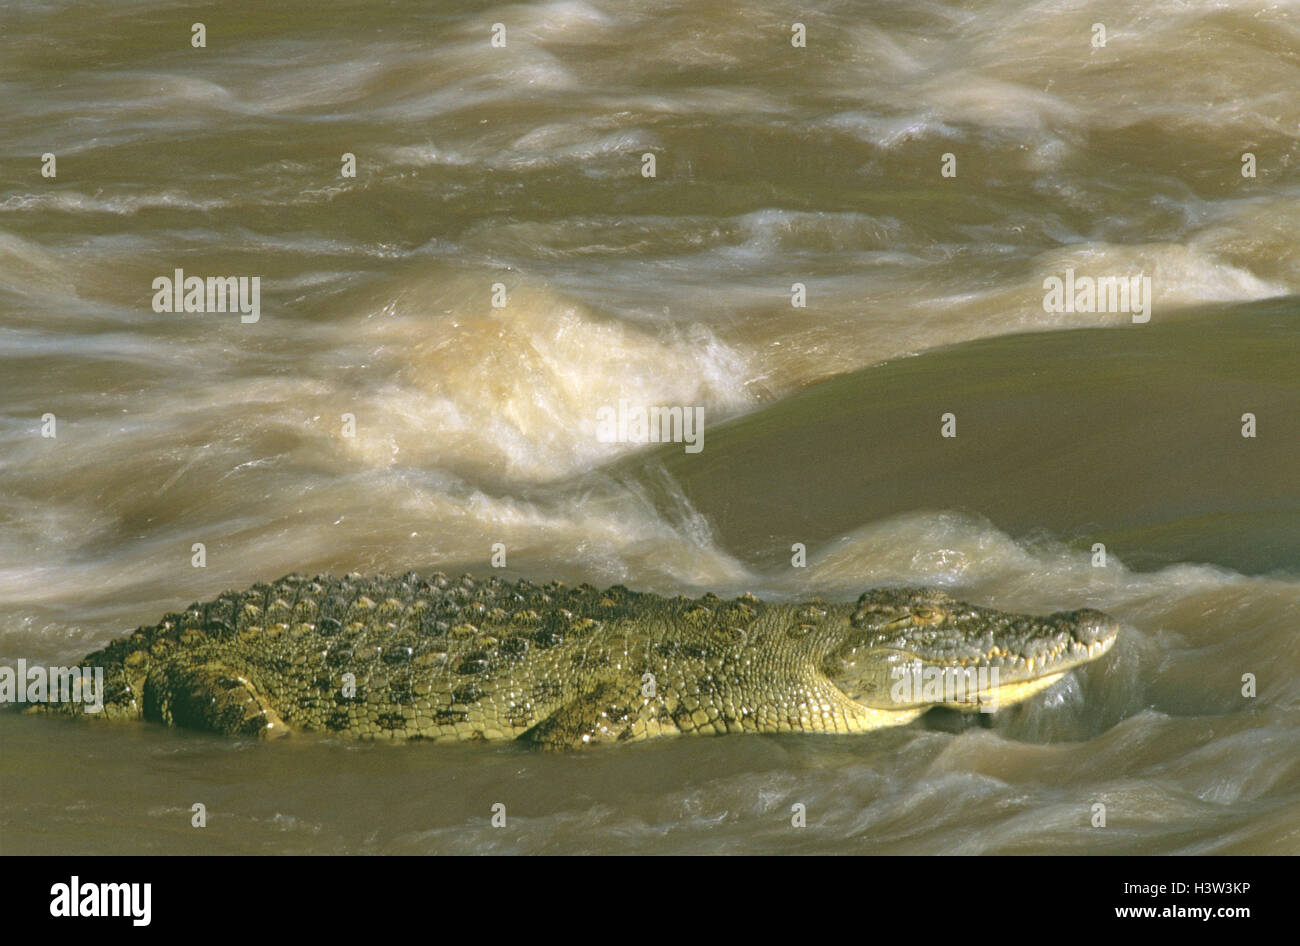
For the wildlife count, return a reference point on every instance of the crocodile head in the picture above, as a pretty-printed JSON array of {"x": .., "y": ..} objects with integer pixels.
[{"x": 906, "y": 650}]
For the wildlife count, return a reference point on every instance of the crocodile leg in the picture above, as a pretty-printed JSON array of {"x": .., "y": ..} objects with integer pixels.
[
  {"x": 605, "y": 712},
  {"x": 210, "y": 697}
]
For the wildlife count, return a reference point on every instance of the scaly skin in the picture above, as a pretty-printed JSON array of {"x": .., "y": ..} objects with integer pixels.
[{"x": 454, "y": 659}]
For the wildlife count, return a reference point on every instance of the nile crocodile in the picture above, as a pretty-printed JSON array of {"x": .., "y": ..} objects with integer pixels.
[{"x": 445, "y": 659}]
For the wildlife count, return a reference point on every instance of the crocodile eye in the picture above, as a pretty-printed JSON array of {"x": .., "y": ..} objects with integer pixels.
[{"x": 925, "y": 614}]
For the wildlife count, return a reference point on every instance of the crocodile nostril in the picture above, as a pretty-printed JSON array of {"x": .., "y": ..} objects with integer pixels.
[{"x": 1092, "y": 626}]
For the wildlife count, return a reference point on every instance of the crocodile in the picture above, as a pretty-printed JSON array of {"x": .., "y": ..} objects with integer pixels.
[{"x": 453, "y": 659}]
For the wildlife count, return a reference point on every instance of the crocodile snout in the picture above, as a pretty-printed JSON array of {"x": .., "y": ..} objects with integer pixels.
[{"x": 1091, "y": 627}]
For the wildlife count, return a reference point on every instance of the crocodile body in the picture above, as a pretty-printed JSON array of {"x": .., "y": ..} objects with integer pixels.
[{"x": 443, "y": 659}]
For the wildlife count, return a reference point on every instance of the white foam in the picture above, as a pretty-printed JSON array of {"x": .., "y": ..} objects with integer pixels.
[{"x": 516, "y": 390}]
